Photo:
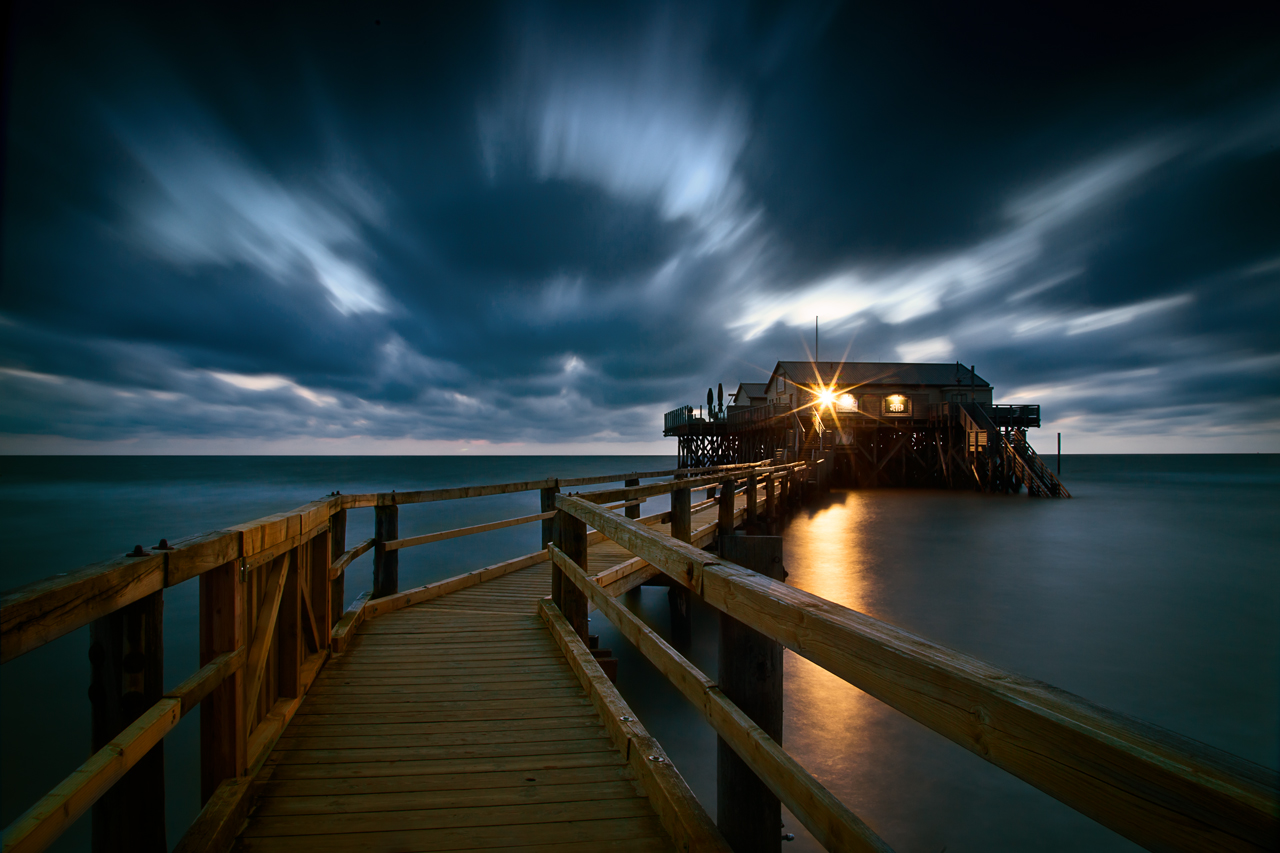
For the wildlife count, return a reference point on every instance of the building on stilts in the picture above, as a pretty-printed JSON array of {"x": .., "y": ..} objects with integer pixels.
[{"x": 883, "y": 424}]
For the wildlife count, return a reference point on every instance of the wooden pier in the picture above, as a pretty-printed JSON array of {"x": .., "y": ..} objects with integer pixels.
[{"x": 473, "y": 713}]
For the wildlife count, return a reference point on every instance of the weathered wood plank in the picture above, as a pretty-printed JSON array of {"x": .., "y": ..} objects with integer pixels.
[
  {"x": 342, "y": 633},
  {"x": 340, "y": 565},
  {"x": 389, "y": 604},
  {"x": 428, "y": 538}
]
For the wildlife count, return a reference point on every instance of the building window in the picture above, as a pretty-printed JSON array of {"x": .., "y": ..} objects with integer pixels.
[{"x": 897, "y": 405}]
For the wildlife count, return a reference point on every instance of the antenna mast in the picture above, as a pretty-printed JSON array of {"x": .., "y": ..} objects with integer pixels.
[{"x": 815, "y": 339}]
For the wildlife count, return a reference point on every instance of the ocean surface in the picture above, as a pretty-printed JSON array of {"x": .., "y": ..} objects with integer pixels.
[{"x": 1154, "y": 591}]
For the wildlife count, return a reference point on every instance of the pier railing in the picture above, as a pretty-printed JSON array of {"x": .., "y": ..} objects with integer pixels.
[
  {"x": 271, "y": 614},
  {"x": 1155, "y": 787}
]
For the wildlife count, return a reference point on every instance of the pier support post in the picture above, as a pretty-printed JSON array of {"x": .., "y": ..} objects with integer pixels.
[
  {"x": 632, "y": 511},
  {"x": 724, "y": 521},
  {"x": 747, "y": 812},
  {"x": 770, "y": 504},
  {"x": 386, "y": 564},
  {"x": 547, "y": 502},
  {"x": 570, "y": 536},
  {"x": 337, "y": 586},
  {"x": 222, "y": 629},
  {"x": 752, "y": 511},
  {"x": 126, "y": 653},
  {"x": 678, "y": 596}
]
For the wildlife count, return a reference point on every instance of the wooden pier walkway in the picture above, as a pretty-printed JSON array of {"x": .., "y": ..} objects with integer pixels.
[{"x": 471, "y": 713}]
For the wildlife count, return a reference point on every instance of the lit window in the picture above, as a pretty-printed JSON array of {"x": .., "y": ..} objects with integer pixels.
[
  {"x": 896, "y": 404},
  {"x": 846, "y": 403}
]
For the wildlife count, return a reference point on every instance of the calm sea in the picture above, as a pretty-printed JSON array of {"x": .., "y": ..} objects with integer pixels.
[{"x": 1155, "y": 591}]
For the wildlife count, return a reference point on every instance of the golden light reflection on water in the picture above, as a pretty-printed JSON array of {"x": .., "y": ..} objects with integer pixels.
[{"x": 827, "y": 723}]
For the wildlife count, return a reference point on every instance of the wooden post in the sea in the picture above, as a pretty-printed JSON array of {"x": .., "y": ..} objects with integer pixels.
[
  {"x": 747, "y": 812},
  {"x": 632, "y": 511},
  {"x": 337, "y": 586},
  {"x": 222, "y": 629},
  {"x": 126, "y": 655},
  {"x": 547, "y": 502},
  {"x": 724, "y": 520},
  {"x": 752, "y": 511},
  {"x": 770, "y": 503},
  {"x": 386, "y": 564},
  {"x": 570, "y": 536},
  {"x": 678, "y": 596}
]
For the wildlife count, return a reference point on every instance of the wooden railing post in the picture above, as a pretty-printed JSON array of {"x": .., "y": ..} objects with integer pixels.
[
  {"x": 724, "y": 519},
  {"x": 222, "y": 629},
  {"x": 770, "y": 503},
  {"x": 337, "y": 586},
  {"x": 752, "y": 511},
  {"x": 632, "y": 511},
  {"x": 570, "y": 536},
  {"x": 678, "y": 596},
  {"x": 289, "y": 633},
  {"x": 126, "y": 653},
  {"x": 386, "y": 564},
  {"x": 747, "y": 812},
  {"x": 547, "y": 502}
]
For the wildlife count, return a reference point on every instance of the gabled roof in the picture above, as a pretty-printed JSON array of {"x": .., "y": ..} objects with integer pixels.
[
  {"x": 747, "y": 390},
  {"x": 859, "y": 373}
]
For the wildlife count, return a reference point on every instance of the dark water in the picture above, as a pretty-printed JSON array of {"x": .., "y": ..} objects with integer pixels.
[{"x": 1154, "y": 592}]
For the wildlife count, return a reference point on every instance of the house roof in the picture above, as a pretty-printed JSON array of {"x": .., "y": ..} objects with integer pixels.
[
  {"x": 747, "y": 390},
  {"x": 860, "y": 373}
]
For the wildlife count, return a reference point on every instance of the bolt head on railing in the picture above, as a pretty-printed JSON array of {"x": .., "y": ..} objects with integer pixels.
[
  {"x": 138, "y": 552},
  {"x": 163, "y": 546}
]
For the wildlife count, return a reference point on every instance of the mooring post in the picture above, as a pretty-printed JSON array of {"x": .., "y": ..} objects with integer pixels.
[
  {"x": 678, "y": 596},
  {"x": 752, "y": 512},
  {"x": 724, "y": 520},
  {"x": 632, "y": 511},
  {"x": 222, "y": 629},
  {"x": 747, "y": 812},
  {"x": 386, "y": 564},
  {"x": 570, "y": 536},
  {"x": 337, "y": 586},
  {"x": 547, "y": 500},
  {"x": 126, "y": 653}
]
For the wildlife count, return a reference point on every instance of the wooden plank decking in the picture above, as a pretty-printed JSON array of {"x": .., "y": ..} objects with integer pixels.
[{"x": 455, "y": 724}]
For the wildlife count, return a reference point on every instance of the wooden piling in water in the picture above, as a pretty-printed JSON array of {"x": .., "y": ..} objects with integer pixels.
[
  {"x": 748, "y": 813},
  {"x": 678, "y": 596},
  {"x": 126, "y": 654}
]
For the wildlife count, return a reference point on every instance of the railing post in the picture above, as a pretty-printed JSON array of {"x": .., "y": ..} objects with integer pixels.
[
  {"x": 222, "y": 629},
  {"x": 317, "y": 591},
  {"x": 747, "y": 812},
  {"x": 386, "y": 564},
  {"x": 770, "y": 503},
  {"x": 289, "y": 631},
  {"x": 752, "y": 512},
  {"x": 126, "y": 653},
  {"x": 677, "y": 595},
  {"x": 724, "y": 520},
  {"x": 570, "y": 536},
  {"x": 547, "y": 500},
  {"x": 337, "y": 586},
  {"x": 632, "y": 511}
]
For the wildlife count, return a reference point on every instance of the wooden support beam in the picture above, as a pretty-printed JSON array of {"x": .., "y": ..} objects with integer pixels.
[
  {"x": 289, "y": 644},
  {"x": 724, "y": 516},
  {"x": 386, "y": 564},
  {"x": 750, "y": 676},
  {"x": 570, "y": 536},
  {"x": 345, "y": 630},
  {"x": 382, "y": 606},
  {"x": 753, "y": 519},
  {"x": 345, "y": 559},
  {"x": 336, "y": 573},
  {"x": 264, "y": 633},
  {"x": 126, "y": 653},
  {"x": 634, "y": 510},
  {"x": 677, "y": 596},
  {"x": 222, "y": 630}
]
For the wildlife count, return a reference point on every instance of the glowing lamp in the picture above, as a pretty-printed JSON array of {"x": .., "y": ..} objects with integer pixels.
[
  {"x": 895, "y": 404},
  {"x": 826, "y": 398}
]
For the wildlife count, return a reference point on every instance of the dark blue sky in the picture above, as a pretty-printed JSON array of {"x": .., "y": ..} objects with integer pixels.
[{"x": 371, "y": 228}]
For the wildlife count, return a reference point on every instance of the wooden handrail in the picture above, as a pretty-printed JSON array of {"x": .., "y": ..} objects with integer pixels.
[
  {"x": 830, "y": 821},
  {"x": 1160, "y": 789},
  {"x": 428, "y": 538}
]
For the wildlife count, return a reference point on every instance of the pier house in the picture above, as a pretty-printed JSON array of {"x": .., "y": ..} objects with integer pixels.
[{"x": 883, "y": 424}]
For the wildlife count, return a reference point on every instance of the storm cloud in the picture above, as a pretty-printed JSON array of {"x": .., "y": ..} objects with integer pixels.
[{"x": 539, "y": 227}]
